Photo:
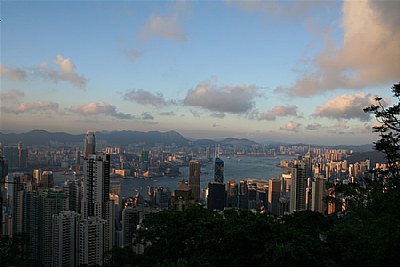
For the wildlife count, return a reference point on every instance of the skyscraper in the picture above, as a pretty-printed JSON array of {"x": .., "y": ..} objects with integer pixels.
[
  {"x": 3, "y": 195},
  {"x": 96, "y": 185},
  {"x": 232, "y": 194},
  {"x": 97, "y": 210},
  {"x": 11, "y": 154},
  {"x": 51, "y": 202},
  {"x": 22, "y": 156},
  {"x": 66, "y": 239},
  {"x": 219, "y": 170},
  {"x": 194, "y": 179},
  {"x": 89, "y": 144},
  {"x": 216, "y": 196},
  {"x": 274, "y": 192},
  {"x": 318, "y": 194},
  {"x": 298, "y": 188},
  {"x": 91, "y": 241}
]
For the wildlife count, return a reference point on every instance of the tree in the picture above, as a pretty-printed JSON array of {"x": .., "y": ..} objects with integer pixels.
[{"x": 389, "y": 131}]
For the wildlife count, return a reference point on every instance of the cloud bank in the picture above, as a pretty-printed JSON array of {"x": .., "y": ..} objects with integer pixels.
[
  {"x": 291, "y": 126},
  {"x": 145, "y": 98},
  {"x": 230, "y": 99},
  {"x": 97, "y": 108},
  {"x": 346, "y": 106},
  {"x": 279, "y": 111},
  {"x": 13, "y": 74},
  {"x": 25, "y": 107},
  {"x": 65, "y": 72},
  {"x": 369, "y": 55}
]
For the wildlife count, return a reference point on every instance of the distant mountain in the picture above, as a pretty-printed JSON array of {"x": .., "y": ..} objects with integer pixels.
[
  {"x": 149, "y": 138},
  {"x": 42, "y": 137},
  {"x": 238, "y": 142},
  {"x": 225, "y": 142}
]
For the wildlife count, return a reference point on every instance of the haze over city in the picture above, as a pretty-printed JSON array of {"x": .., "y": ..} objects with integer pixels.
[{"x": 291, "y": 71}]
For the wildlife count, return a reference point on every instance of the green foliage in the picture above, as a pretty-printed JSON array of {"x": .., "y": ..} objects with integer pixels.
[{"x": 14, "y": 250}]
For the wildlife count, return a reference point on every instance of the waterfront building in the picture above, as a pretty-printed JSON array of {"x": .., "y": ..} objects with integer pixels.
[{"x": 219, "y": 170}]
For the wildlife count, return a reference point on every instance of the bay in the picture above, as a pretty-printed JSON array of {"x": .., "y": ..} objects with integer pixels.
[{"x": 235, "y": 168}]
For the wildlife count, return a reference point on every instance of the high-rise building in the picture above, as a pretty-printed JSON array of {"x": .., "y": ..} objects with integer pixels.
[
  {"x": 194, "y": 179},
  {"x": 216, "y": 196},
  {"x": 232, "y": 194},
  {"x": 243, "y": 195},
  {"x": 96, "y": 185},
  {"x": 274, "y": 191},
  {"x": 91, "y": 241},
  {"x": 318, "y": 194},
  {"x": 22, "y": 156},
  {"x": 51, "y": 202},
  {"x": 77, "y": 156},
  {"x": 66, "y": 239},
  {"x": 11, "y": 154},
  {"x": 131, "y": 216},
  {"x": 3, "y": 194},
  {"x": 46, "y": 179},
  {"x": 298, "y": 188},
  {"x": 97, "y": 210},
  {"x": 219, "y": 170},
  {"x": 89, "y": 144},
  {"x": 74, "y": 190},
  {"x": 183, "y": 197}
]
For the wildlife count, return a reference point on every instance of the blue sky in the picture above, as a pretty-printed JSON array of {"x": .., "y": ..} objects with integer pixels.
[{"x": 288, "y": 71}]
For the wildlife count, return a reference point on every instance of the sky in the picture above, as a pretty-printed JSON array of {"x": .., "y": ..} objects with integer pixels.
[{"x": 288, "y": 71}]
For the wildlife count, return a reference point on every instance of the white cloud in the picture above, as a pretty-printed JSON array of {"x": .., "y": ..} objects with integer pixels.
[
  {"x": 369, "y": 55},
  {"x": 11, "y": 96},
  {"x": 291, "y": 126},
  {"x": 13, "y": 74},
  {"x": 164, "y": 27},
  {"x": 38, "y": 106},
  {"x": 98, "y": 108},
  {"x": 65, "y": 72},
  {"x": 346, "y": 106},
  {"x": 145, "y": 98},
  {"x": 230, "y": 99},
  {"x": 278, "y": 111}
]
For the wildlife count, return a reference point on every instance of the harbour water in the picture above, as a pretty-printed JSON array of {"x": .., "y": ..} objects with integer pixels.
[{"x": 235, "y": 168}]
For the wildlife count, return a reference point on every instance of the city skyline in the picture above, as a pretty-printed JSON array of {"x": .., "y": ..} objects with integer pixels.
[{"x": 278, "y": 71}]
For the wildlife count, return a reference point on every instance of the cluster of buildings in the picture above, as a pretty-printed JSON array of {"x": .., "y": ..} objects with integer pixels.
[{"x": 79, "y": 222}]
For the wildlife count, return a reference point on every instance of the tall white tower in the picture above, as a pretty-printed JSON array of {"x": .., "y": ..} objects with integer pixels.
[{"x": 96, "y": 185}]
